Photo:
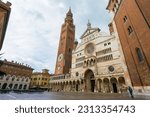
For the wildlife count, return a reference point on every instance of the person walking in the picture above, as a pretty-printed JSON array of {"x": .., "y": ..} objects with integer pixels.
[{"x": 130, "y": 91}]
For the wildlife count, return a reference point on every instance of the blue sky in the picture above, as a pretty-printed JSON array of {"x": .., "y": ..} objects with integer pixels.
[{"x": 34, "y": 28}]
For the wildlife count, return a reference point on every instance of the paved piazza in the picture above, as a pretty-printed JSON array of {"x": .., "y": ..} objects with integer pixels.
[{"x": 67, "y": 96}]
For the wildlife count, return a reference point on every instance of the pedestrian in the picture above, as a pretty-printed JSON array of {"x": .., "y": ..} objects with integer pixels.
[{"x": 130, "y": 91}]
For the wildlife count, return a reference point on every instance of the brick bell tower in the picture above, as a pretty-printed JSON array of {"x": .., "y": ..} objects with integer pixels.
[{"x": 66, "y": 43}]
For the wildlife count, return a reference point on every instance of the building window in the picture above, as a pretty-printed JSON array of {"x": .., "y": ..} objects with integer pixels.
[
  {"x": 7, "y": 78},
  {"x": 13, "y": 78},
  {"x": 130, "y": 30},
  {"x": 109, "y": 43},
  {"x": 111, "y": 68},
  {"x": 139, "y": 54},
  {"x": 125, "y": 18},
  {"x": 77, "y": 74},
  {"x": 105, "y": 58},
  {"x": 79, "y": 65},
  {"x": 27, "y": 80},
  {"x": 1, "y": 77},
  {"x": 113, "y": 10},
  {"x": 69, "y": 50}
]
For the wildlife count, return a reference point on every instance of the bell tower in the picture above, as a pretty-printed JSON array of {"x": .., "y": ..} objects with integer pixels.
[{"x": 66, "y": 44}]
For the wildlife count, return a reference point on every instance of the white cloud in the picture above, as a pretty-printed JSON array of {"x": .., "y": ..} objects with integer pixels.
[{"x": 34, "y": 28}]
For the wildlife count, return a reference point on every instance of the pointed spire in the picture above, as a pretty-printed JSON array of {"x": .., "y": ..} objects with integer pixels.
[
  {"x": 88, "y": 24},
  {"x": 69, "y": 12}
]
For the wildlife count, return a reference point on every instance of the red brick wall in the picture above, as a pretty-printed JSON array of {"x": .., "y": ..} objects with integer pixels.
[
  {"x": 144, "y": 6},
  {"x": 66, "y": 44},
  {"x": 139, "y": 38},
  {"x": 15, "y": 69}
]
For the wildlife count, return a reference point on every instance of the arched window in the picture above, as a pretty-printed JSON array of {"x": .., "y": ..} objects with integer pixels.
[
  {"x": 4, "y": 86},
  {"x": 139, "y": 54},
  {"x": 125, "y": 18},
  {"x": 105, "y": 44},
  {"x": 27, "y": 80},
  {"x": 130, "y": 30},
  {"x": 70, "y": 50},
  {"x": 20, "y": 86},
  {"x": 10, "y": 86},
  {"x": 13, "y": 79},
  {"x": 77, "y": 74},
  {"x": 16, "y": 86},
  {"x": 25, "y": 86}
]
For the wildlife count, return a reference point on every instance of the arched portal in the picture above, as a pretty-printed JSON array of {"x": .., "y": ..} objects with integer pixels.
[
  {"x": 25, "y": 86},
  {"x": 4, "y": 86},
  {"x": 106, "y": 85},
  {"x": 20, "y": 86},
  {"x": 114, "y": 85},
  {"x": 89, "y": 81},
  {"x": 77, "y": 85},
  {"x": 99, "y": 85},
  {"x": 121, "y": 81},
  {"x": 62, "y": 86},
  {"x": 122, "y": 84},
  {"x": 16, "y": 86},
  {"x": 10, "y": 86}
]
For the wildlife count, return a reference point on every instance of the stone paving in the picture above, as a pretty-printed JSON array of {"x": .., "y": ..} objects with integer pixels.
[{"x": 68, "y": 96}]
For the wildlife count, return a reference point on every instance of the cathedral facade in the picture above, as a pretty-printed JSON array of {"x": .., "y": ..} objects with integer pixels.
[{"x": 96, "y": 66}]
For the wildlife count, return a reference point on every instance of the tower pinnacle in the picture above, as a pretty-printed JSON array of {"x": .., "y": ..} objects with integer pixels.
[
  {"x": 69, "y": 12},
  {"x": 88, "y": 24}
]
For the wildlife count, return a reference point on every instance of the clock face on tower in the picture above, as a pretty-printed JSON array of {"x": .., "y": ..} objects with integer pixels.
[{"x": 60, "y": 57}]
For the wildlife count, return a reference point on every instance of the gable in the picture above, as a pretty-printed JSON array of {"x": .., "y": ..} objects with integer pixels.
[{"x": 89, "y": 31}]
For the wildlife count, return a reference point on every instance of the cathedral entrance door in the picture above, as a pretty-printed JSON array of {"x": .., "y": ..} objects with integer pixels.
[
  {"x": 114, "y": 87},
  {"x": 92, "y": 85},
  {"x": 89, "y": 81},
  {"x": 77, "y": 87}
]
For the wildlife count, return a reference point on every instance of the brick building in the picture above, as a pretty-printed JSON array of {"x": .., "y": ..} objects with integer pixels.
[
  {"x": 4, "y": 17},
  {"x": 131, "y": 21},
  {"x": 66, "y": 44},
  {"x": 15, "y": 68}
]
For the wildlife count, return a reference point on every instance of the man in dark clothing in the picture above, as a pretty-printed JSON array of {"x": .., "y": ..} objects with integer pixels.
[{"x": 131, "y": 91}]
